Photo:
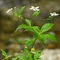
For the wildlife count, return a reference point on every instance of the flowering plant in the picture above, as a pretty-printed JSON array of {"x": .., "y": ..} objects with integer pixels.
[{"x": 38, "y": 34}]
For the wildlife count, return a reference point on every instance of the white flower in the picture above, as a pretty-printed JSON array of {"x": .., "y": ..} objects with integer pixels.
[
  {"x": 54, "y": 14},
  {"x": 34, "y": 8},
  {"x": 9, "y": 10}
]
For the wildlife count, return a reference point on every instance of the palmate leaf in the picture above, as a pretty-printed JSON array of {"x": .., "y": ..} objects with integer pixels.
[
  {"x": 28, "y": 22},
  {"x": 35, "y": 14},
  {"x": 46, "y": 27},
  {"x": 20, "y": 10},
  {"x": 51, "y": 37}
]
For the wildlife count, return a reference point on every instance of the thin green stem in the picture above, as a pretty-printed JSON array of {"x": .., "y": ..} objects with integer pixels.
[{"x": 34, "y": 42}]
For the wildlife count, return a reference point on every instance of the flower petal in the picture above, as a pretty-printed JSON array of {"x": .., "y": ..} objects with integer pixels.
[
  {"x": 9, "y": 10},
  {"x": 37, "y": 7}
]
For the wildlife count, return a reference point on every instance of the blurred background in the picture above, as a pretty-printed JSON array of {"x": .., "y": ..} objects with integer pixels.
[{"x": 9, "y": 23}]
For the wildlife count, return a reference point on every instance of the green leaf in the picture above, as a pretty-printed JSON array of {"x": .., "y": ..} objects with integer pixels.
[
  {"x": 21, "y": 26},
  {"x": 28, "y": 54},
  {"x": 28, "y": 43},
  {"x": 35, "y": 30},
  {"x": 35, "y": 27},
  {"x": 37, "y": 55},
  {"x": 28, "y": 22},
  {"x": 35, "y": 14},
  {"x": 14, "y": 58},
  {"x": 21, "y": 57},
  {"x": 46, "y": 27},
  {"x": 24, "y": 26},
  {"x": 4, "y": 53},
  {"x": 39, "y": 36},
  {"x": 51, "y": 37},
  {"x": 20, "y": 10},
  {"x": 42, "y": 39}
]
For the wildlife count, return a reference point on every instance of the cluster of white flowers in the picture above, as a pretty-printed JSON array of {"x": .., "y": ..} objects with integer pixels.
[
  {"x": 54, "y": 14},
  {"x": 34, "y": 8},
  {"x": 37, "y": 9}
]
